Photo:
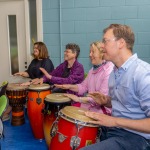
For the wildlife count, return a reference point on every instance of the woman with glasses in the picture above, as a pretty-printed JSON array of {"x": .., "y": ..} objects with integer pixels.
[
  {"x": 96, "y": 81},
  {"x": 68, "y": 72}
]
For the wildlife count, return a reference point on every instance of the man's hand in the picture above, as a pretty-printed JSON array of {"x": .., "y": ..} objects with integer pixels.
[{"x": 101, "y": 119}]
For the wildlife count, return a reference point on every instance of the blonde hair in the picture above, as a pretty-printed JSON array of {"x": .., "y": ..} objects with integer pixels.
[{"x": 97, "y": 44}]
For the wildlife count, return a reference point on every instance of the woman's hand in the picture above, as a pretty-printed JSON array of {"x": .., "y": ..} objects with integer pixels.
[
  {"x": 100, "y": 98},
  {"x": 63, "y": 86},
  {"x": 23, "y": 74},
  {"x": 73, "y": 97},
  {"x": 25, "y": 84},
  {"x": 46, "y": 73},
  {"x": 37, "y": 81}
]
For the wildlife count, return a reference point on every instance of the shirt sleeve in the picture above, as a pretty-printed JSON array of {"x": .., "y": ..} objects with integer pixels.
[
  {"x": 83, "y": 87},
  {"x": 143, "y": 88}
]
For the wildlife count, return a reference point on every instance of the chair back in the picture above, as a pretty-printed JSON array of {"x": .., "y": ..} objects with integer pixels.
[
  {"x": 3, "y": 104},
  {"x": 3, "y": 88}
]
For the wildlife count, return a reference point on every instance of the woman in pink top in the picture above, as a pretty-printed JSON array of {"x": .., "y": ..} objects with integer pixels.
[{"x": 96, "y": 81}]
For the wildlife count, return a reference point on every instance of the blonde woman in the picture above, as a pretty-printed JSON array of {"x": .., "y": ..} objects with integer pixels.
[{"x": 96, "y": 81}]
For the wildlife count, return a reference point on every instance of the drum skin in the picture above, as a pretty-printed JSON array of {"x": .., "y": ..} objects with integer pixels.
[
  {"x": 67, "y": 128},
  {"x": 35, "y": 105},
  {"x": 51, "y": 108}
]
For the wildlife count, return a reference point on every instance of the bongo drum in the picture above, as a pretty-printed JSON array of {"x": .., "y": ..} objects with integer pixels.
[
  {"x": 72, "y": 130},
  {"x": 17, "y": 98},
  {"x": 35, "y": 104},
  {"x": 53, "y": 103}
]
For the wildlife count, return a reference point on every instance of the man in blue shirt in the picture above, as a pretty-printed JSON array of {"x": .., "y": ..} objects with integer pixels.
[{"x": 129, "y": 95}]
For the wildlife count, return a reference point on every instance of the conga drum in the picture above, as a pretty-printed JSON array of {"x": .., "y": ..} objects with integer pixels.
[
  {"x": 53, "y": 103},
  {"x": 17, "y": 98},
  {"x": 72, "y": 130},
  {"x": 35, "y": 104}
]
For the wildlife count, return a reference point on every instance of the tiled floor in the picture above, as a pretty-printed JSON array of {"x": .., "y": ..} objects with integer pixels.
[{"x": 20, "y": 138}]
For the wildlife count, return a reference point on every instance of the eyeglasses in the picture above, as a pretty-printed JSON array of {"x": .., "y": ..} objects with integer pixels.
[
  {"x": 107, "y": 40},
  {"x": 67, "y": 51}
]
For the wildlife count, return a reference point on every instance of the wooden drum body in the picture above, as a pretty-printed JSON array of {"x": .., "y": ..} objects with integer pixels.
[
  {"x": 71, "y": 130},
  {"x": 53, "y": 103},
  {"x": 17, "y": 98},
  {"x": 35, "y": 104}
]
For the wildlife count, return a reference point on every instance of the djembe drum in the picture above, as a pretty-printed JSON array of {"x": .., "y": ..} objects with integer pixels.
[
  {"x": 35, "y": 104},
  {"x": 53, "y": 103},
  {"x": 17, "y": 98},
  {"x": 72, "y": 130}
]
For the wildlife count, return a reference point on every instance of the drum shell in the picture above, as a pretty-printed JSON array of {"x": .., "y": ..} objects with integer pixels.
[
  {"x": 17, "y": 98},
  {"x": 87, "y": 134},
  {"x": 50, "y": 111},
  {"x": 35, "y": 105}
]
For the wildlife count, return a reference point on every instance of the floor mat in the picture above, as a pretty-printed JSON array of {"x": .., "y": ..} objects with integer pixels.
[{"x": 20, "y": 138}]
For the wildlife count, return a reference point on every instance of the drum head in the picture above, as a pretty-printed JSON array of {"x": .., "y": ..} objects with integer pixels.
[
  {"x": 57, "y": 98},
  {"x": 76, "y": 114},
  {"x": 15, "y": 87},
  {"x": 39, "y": 87}
]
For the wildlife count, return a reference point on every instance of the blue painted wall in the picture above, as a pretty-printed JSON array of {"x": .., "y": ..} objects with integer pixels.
[{"x": 82, "y": 22}]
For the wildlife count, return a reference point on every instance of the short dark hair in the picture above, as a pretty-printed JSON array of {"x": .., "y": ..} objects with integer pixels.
[
  {"x": 74, "y": 48},
  {"x": 43, "y": 51},
  {"x": 122, "y": 31}
]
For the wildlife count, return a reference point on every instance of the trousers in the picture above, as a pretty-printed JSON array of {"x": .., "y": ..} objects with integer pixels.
[{"x": 119, "y": 139}]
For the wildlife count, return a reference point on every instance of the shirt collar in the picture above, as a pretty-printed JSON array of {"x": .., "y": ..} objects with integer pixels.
[{"x": 128, "y": 63}]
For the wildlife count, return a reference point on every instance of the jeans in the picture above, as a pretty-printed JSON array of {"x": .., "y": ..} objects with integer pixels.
[{"x": 119, "y": 139}]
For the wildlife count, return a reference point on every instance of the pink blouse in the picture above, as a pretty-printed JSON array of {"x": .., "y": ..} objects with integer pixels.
[{"x": 96, "y": 81}]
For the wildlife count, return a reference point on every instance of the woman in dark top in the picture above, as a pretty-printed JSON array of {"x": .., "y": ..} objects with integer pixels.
[{"x": 41, "y": 59}]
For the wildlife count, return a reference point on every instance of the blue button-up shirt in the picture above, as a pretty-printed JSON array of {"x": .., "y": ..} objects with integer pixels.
[{"x": 129, "y": 88}]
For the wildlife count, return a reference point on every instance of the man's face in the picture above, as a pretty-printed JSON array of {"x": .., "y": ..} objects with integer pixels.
[{"x": 110, "y": 46}]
